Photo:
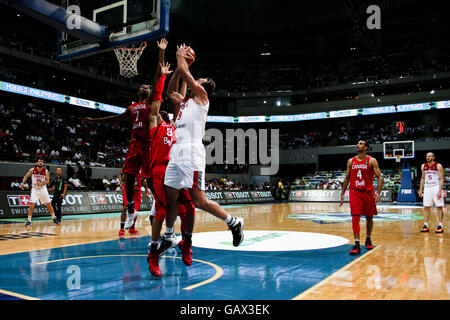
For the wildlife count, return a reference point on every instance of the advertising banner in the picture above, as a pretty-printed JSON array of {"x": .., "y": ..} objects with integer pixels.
[
  {"x": 14, "y": 204},
  {"x": 328, "y": 195}
]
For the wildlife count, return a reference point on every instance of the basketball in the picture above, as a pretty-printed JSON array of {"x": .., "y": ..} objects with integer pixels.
[{"x": 190, "y": 56}]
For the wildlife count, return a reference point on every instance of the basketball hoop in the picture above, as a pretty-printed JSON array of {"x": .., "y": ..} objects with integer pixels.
[
  {"x": 128, "y": 58},
  {"x": 398, "y": 159}
]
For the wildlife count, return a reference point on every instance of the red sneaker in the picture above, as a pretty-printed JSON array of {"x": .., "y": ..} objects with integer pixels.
[
  {"x": 369, "y": 245},
  {"x": 425, "y": 229},
  {"x": 153, "y": 265},
  {"x": 355, "y": 250},
  {"x": 439, "y": 229},
  {"x": 186, "y": 251},
  {"x": 121, "y": 234},
  {"x": 133, "y": 232}
]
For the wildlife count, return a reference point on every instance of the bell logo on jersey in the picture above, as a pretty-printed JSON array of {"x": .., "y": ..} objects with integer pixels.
[
  {"x": 361, "y": 183},
  {"x": 137, "y": 125},
  {"x": 168, "y": 141}
]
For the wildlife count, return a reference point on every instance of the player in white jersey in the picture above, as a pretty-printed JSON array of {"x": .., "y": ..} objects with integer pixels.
[
  {"x": 186, "y": 168},
  {"x": 39, "y": 180},
  {"x": 431, "y": 186}
]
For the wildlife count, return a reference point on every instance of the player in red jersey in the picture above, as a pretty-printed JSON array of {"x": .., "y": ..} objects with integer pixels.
[
  {"x": 360, "y": 173},
  {"x": 137, "y": 157},
  {"x": 131, "y": 221},
  {"x": 162, "y": 134}
]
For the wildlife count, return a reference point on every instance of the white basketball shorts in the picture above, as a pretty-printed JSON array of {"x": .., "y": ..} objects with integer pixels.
[
  {"x": 40, "y": 194},
  {"x": 182, "y": 177},
  {"x": 430, "y": 196}
]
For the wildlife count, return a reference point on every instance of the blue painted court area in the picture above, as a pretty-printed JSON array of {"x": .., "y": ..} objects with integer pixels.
[{"x": 118, "y": 270}]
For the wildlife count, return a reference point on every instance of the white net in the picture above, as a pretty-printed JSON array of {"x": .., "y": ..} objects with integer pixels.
[{"x": 128, "y": 59}]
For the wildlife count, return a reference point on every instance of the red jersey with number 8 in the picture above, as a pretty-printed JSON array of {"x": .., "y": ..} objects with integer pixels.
[
  {"x": 139, "y": 120},
  {"x": 361, "y": 174}
]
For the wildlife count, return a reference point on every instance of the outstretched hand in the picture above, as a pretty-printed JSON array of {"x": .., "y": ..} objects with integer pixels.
[
  {"x": 165, "y": 68},
  {"x": 162, "y": 45},
  {"x": 181, "y": 50}
]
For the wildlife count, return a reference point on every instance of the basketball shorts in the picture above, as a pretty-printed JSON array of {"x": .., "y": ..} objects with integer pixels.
[
  {"x": 362, "y": 203},
  {"x": 430, "y": 196},
  {"x": 137, "y": 197},
  {"x": 138, "y": 157},
  {"x": 159, "y": 194},
  {"x": 40, "y": 194},
  {"x": 182, "y": 177}
]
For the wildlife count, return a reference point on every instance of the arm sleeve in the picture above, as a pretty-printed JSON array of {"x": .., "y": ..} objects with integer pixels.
[{"x": 158, "y": 91}]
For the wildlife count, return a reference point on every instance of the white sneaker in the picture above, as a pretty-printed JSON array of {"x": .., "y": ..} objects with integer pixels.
[
  {"x": 166, "y": 243},
  {"x": 130, "y": 219}
]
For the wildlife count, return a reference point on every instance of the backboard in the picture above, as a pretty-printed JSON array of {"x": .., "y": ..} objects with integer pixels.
[
  {"x": 398, "y": 149},
  {"x": 128, "y": 22}
]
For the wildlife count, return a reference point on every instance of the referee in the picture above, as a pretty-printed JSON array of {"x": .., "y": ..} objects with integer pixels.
[{"x": 59, "y": 185}]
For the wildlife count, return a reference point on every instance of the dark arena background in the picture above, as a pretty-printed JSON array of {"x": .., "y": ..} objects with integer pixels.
[{"x": 298, "y": 85}]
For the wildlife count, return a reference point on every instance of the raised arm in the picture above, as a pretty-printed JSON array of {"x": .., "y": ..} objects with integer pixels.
[
  {"x": 111, "y": 119},
  {"x": 25, "y": 178},
  {"x": 187, "y": 76},
  {"x": 422, "y": 182},
  {"x": 374, "y": 164},
  {"x": 172, "y": 89},
  {"x": 162, "y": 45},
  {"x": 155, "y": 118},
  {"x": 346, "y": 181}
]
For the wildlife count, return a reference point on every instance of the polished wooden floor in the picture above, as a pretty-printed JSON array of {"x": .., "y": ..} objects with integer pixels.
[{"x": 405, "y": 264}]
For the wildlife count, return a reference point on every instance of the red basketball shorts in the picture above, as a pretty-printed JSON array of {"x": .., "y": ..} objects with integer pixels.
[
  {"x": 138, "y": 158},
  {"x": 362, "y": 203},
  {"x": 137, "y": 197},
  {"x": 185, "y": 205}
]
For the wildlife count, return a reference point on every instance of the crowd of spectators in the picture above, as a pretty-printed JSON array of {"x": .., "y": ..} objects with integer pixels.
[
  {"x": 30, "y": 131},
  {"x": 225, "y": 183},
  {"x": 322, "y": 136}
]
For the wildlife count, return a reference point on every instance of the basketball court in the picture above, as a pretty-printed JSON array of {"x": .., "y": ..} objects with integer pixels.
[{"x": 291, "y": 251}]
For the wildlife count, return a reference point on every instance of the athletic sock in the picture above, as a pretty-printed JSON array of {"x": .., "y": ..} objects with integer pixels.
[
  {"x": 357, "y": 242},
  {"x": 230, "y": 221},
  {"x": 440, "y": 223},
  {"x": 188, "y": 237},
  {"x": 169, "y": 231},
  {"x": 122, "y": 225},
  {"x": 154, "y": 246},
  {"x": 426, "y": 224}
]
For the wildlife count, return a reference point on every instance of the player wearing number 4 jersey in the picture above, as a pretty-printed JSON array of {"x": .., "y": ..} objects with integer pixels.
[
  {"x": 431, "y": 186},
  {"x": 360, "y": 173}
]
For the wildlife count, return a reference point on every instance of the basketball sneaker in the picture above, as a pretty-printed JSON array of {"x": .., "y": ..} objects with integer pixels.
[
  {"x": 236, "y": 230},
  {"x": 121, "y": 234},
  {"x": 355, "y": 250},
  {"x": 439, "y": 229},
  {"x": 425, "y": 229},
  {"x": 55, "y": 220},
  {"x": 153, "y": 265},
  {"x": 186, "y": 251},
  {"x": 130, "y": 219},
  {"x": 167, "y": 242},
  {"x": 368, "y": 244},
  {"x": 28, "y": 223},
  {"x": 133, "y": 232}
]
